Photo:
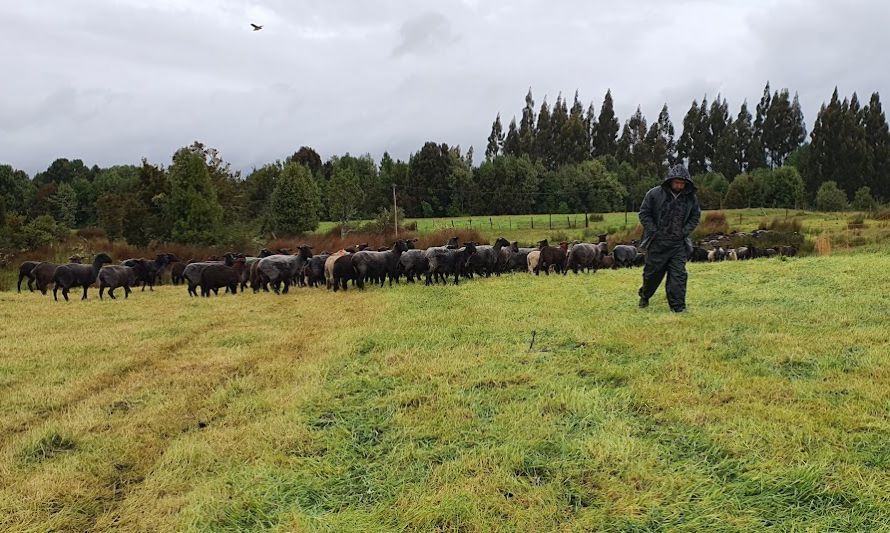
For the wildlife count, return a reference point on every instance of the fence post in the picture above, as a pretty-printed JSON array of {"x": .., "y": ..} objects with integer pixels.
[
  {"x": 533, "y": 222},
  {"x": 510, "y": 222},
  {"x": 568, "y": 222},
  {"x": 550, "y": 220},
  {"x": 586, "y": 221},
  {"x": 490, "y": 223}
]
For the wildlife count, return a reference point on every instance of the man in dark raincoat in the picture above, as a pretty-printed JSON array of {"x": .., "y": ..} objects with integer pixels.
[{"x": 669, "y": 214}]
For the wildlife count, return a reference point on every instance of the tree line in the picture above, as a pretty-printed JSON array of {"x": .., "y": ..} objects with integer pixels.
[{"x": 549, "y": 159}]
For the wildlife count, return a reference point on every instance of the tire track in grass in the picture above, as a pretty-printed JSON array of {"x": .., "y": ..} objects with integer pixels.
[
  {"x": 254, "y": 365},
  {"x": 97, "y": 383}
]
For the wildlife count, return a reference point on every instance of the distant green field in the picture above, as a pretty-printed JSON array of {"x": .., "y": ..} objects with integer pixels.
[
  {"x": 426, "y": 409},
  {"x": 529, "y": 228},
  {"x": 875, "y": 235}
]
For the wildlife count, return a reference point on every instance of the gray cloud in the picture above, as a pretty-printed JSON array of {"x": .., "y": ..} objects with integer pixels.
[
  {"x": 424, "y": 34},
  {"x": 111, "y": 81}
]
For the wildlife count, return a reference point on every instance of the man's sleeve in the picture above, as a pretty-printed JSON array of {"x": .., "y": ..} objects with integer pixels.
[
  {"x": 646, "y": 218},
  {"x": 694, "y": 218}
]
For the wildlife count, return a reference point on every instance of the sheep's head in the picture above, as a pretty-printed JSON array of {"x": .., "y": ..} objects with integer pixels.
[{"x": 101, "y": 259}]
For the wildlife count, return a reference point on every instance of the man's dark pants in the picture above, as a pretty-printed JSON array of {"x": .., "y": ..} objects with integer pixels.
[{"x": 666, "y": 257}]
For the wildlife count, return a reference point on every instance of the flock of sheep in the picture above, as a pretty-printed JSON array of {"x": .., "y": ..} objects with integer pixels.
[{"x": 357, "y": 265}]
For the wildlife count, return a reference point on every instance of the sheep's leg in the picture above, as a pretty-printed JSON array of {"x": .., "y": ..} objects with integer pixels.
[
  {"x": 102, "y": 289},
  {"x": 84, "y": 297},
  {"x": 55, "y": 296},
  {"x": 19, "y": 286}
]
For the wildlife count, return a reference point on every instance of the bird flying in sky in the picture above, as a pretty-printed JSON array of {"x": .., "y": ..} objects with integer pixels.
[{"x": 256, "y": 27}]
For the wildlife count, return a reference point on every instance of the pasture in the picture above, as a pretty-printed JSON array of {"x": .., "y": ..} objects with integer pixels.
[
  {"x": 571, "y": 226},
  {"x": 767, "y": 406}
]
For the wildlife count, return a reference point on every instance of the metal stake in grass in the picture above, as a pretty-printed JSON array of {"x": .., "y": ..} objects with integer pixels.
[{"x": 532, "y": 343}]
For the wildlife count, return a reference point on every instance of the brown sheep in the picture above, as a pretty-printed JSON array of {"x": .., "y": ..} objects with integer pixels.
[{"x": 552, "y": 256}]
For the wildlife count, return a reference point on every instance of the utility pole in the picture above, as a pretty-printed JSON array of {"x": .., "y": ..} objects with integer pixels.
[{"x": 395, "y": 211}]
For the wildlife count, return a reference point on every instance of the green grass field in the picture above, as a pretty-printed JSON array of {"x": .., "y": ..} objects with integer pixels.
[
  {"x": 557, "y": 227},
  {"x": 764, "y": 407}
]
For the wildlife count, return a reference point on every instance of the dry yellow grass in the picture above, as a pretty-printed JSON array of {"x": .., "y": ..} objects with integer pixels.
[{"x": 823, "y": 244}]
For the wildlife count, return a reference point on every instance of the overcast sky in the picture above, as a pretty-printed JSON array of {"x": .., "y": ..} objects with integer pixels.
[{"x": 111, "y": 81}]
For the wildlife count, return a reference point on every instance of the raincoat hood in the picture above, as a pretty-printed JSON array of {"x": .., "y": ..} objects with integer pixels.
[{"x": 679, "y": 172}]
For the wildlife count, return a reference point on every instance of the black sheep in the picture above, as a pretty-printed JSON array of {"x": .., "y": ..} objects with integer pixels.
[
  {"x": 114, "y": 276},
  {"x": 624, "y": 255},
  {"x": 699, "y": 255},
  {"x": 447, "y": 261},
  {"x": 192, "y": 272},
  {"x": 315, "y": 270},
  {"x": 78, "y": 275},
  {"x": 343, "y": 272},
  {"x": 413, "y": 264},
  {"x": 377, "y": 266},
  {"x": 584, "y": 256},
  {"x": 26, "y": 270},
  {"x": 217, "y": 276},
  {"x": 176, "y": 270},
  {"x": 485, "y": 261},
  {"x": 153, "y": 268},
  {"x": 43, "y": 275},
  {"x": 514, "y": 258}
]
